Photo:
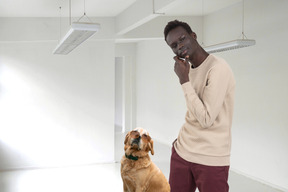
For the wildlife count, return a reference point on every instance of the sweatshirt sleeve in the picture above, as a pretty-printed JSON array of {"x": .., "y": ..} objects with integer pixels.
[{"x": 207, "y": 108}]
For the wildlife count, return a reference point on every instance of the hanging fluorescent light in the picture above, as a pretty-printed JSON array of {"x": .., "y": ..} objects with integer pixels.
[
  {"x": 230, "y": 45},
  {"x": 236, "y": 44},
  {"x": 78, "y": 33}
]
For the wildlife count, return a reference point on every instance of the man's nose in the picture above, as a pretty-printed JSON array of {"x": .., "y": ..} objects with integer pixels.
[{"x": 180, "y": 46}]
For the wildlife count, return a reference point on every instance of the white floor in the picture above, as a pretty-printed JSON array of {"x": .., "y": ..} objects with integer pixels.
[
  {"x": 93, "y": 178},
  {"x": 101, "y": 177}
]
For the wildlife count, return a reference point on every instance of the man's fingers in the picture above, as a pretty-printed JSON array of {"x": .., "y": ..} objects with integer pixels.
[
  {"x": 176, "y": 58},
  {"x": 187, "y": 58}
]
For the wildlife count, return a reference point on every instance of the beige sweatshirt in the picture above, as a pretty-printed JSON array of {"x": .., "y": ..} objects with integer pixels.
[{"x": 205, "y": 137}]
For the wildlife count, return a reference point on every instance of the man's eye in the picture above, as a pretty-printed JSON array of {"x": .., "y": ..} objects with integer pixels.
[
  {"x": 182, "y": 38},
  {"x": 173, "y": 46}
]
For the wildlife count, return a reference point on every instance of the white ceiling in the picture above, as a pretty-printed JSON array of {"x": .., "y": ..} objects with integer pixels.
[{"x": 101, "y": 8}]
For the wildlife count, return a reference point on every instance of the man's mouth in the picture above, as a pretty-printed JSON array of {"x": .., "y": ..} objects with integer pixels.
[{"x": 183, "y": 54}]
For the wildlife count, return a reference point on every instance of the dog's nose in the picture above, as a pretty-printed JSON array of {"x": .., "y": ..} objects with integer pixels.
[
  {"x": 138, "y": 138},
  {"x": 137, "y": 135}
]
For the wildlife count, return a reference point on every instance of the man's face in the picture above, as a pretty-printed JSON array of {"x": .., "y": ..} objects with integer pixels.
[{"x": 181, "y": 42}]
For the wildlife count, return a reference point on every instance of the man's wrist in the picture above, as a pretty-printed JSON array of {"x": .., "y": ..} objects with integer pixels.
[{"x": 183, "y": 81}]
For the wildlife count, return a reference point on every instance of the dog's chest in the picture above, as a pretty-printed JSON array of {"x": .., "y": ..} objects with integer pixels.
[
  {"x": 131, "y": 165},
  {"x": 137, "y": 179},
  {"x": 135, "y": 174}
]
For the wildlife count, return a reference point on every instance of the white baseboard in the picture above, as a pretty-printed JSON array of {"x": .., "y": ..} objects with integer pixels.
[{"x": 259, "y": 180}]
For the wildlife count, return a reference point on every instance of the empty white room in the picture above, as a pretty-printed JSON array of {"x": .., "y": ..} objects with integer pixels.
[{"x": 65, "y": 108}]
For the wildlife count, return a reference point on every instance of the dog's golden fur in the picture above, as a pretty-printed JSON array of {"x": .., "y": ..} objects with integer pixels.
[{"x": 138, "y": 172}]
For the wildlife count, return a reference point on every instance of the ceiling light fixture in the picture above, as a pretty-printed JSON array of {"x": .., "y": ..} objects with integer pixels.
[
  {"x": 230, "y": 45},
  {"x": 78, "y": 33}
]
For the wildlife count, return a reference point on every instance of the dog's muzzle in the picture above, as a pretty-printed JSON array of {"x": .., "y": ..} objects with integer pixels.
[{"x": 136, "y": 142}]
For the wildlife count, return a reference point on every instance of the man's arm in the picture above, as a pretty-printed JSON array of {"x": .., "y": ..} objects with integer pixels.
[
  {"x": 182, "y": 69},
  {"x": 207, "y": 108}
]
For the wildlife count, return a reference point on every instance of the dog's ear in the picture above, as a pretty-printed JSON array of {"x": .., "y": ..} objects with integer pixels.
[
  {"x": 126, "y": 138},
  {"x": 150, "y": 145},
  {"x": 125, "y": 141}
]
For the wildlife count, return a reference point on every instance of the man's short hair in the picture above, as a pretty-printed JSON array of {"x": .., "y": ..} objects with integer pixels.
[{"x": 173, "y": 24}]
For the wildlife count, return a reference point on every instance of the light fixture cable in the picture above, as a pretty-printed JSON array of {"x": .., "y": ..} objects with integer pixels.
[
  {"x": 70, "y": 12},
  {"x": 60, "y": 26},
  {"x": 243, "y": 18},
  {"x": 202, "y": 17},
  {"x": 235, "y": 44},
  {"x": 84, "y": 7},
  {"x": 84, "y": 14},
  {"x": 77, "y": 34}
]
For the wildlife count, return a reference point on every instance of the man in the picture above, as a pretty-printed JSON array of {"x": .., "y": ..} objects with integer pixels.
[{"x": 201, "y": 154}]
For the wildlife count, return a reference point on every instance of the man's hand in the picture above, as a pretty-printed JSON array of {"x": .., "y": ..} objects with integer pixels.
[{"x": 182, "y": 68}]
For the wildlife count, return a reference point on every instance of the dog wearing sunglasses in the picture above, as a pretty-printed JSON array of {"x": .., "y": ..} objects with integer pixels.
[{"x": 138, "y": 172}]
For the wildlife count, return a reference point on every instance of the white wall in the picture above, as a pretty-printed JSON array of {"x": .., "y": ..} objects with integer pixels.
[
  {"x": 160, "y": 107},
  {"x": 127, "y": 51},
  {"x": 119, "y": 95},
  {"x": 160, "y": 103},
  {"x": 260, "y": 133},
  {"x": 60, "y": 103},
  {"x": 54, "y": 110}
]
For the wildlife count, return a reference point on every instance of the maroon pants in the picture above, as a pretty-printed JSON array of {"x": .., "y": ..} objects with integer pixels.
[{"x": 186, "y": 176}]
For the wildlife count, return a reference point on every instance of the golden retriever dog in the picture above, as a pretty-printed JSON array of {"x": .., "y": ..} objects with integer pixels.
[{"x": 138, "y": 172}]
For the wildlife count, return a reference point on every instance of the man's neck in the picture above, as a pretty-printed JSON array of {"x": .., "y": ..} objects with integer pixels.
[{"x": 198, "y": 58}]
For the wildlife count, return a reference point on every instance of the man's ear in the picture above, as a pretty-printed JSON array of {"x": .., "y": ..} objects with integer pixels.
[{"x": 194, "y": 35}]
